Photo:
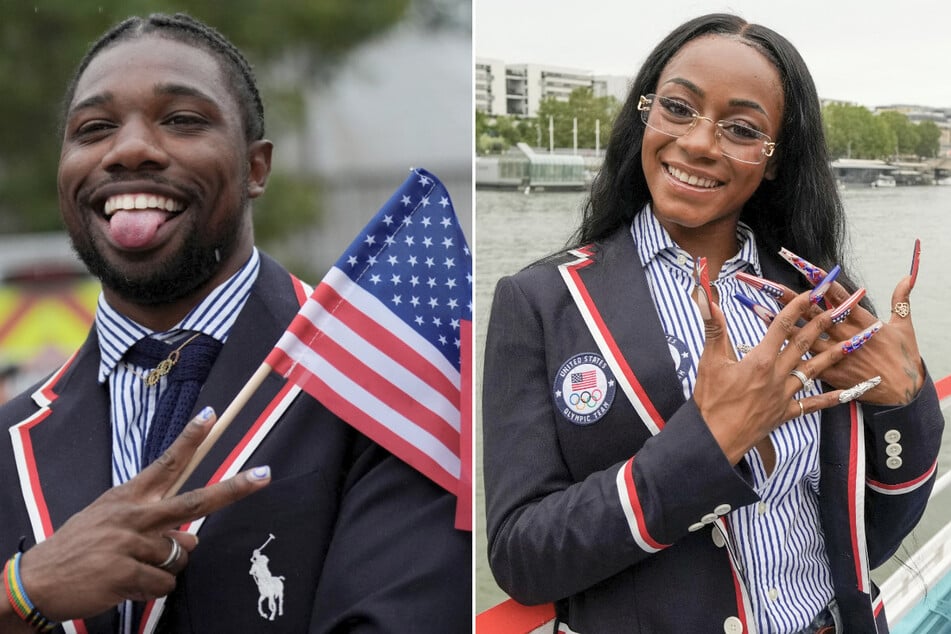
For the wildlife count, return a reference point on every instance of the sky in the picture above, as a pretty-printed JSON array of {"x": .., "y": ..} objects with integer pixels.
[{"x": 868, "y": 52}]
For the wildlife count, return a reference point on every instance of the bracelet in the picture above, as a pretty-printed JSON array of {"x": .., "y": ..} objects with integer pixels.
[{"x": 21, "y": 603}]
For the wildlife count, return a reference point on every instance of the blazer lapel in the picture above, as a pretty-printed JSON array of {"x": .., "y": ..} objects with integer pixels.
[{"x": 610, "y": 289}]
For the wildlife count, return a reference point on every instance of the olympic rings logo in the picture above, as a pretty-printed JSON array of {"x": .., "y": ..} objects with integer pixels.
[{"x": 588, "y": 399}]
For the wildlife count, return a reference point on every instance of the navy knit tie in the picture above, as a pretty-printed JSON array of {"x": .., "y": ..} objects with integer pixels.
[{"x": 185, "y": 379}]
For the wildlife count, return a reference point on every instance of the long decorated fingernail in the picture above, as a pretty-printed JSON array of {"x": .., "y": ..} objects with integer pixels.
[
  {"x": 812, "y": 272},
  {"x": 815, "y": 296},
  {"x": 859, "y": 389},
  {"x": 761, "y": 311},
  {"x": 843, "y": 310},
  {"x": 760, "y": 284},
  {"x": 914, "y": 263},
  {"x": 704, "y": 298},
  {"x": 859, "y": 340}
]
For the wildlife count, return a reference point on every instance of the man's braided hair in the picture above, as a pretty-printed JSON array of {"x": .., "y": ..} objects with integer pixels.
[{"x": 186, "y": 29}]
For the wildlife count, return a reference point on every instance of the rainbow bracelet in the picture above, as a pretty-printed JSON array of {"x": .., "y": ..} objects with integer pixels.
[{"x": 21, "y": 603}]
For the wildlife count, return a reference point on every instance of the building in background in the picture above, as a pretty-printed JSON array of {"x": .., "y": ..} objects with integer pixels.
[
  {"x": 526, "y": 85},
  {"x": 490, "y": 86}
]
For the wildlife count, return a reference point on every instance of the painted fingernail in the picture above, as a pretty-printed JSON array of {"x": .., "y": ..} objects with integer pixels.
[
  {"x": 859, "y": 340},
  {"x": 859, "y": 389},
  {"x": 205, "y": 415},
  {"x": 704, "y": 299},
  {"x": 761, "y": 311},
  {"x": 815, "y": 296},
  {"x": 812, "y": 272},
  {"x": 843, "y": 310},
  {"x": 760, "y": 284},
  {"x": 914, "y": 263},
  {"x": 260, "y": 473}
]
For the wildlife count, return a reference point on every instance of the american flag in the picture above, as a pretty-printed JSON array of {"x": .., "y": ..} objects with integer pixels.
[
  {"x": 384, "y": 341},
  {"x": 584, "y": 380}
]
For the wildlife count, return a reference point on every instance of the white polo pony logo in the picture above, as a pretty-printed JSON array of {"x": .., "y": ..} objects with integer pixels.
[{"x": 270, "y": 588}]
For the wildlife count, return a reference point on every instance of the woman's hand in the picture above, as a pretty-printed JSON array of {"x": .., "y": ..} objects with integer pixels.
[
  {"x": 743, "y": 401},
  {"x": 893, "y": 352}
]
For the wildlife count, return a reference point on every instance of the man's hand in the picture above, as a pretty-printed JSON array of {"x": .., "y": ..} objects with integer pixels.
[{"x": 111, "y": 550}]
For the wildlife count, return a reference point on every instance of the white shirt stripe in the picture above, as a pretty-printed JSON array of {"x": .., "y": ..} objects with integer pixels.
[{"x": 779, "y": 542}]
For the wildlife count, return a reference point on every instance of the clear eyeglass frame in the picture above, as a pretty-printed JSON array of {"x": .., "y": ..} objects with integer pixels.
[{"x": 755, "y": 142}]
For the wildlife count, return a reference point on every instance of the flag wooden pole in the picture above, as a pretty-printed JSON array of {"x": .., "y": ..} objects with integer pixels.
[{"x": 221, "y": 425}]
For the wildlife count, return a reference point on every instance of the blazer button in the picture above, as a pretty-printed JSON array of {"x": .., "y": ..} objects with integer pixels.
[
  {"x": 892, "y": 435},
  {"x": 693, "y": 528},
  {"x": 732, "y": 625},
  {"x": 709, "y": 518},
  {"x": 717, "y": 536},
  {"x": 723, "y": 509},
  {"x": 893, "y": 463},
  {"x": 893, "y": 449}
]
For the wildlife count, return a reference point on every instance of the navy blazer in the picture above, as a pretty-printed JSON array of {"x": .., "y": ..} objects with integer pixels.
[
  {"x": 620, "y": 513},
  {"x": 345, "y": 538}
]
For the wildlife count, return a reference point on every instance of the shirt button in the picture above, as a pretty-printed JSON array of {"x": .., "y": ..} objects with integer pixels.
[
  {"x": 893, "y": 463},
  {"x": 709, "y": 518},
  {"x": 892, "y": 435},
  {"x": 893, "y": 449},
  {"x": 772, "y": 594},
  {"x": 681, "y": 259},
  {"x": 732, "y": 625},
  {"x": 761, "y": 508},
  {"x": 723, "y": 509},
  {"x": 717, "y": 536}
]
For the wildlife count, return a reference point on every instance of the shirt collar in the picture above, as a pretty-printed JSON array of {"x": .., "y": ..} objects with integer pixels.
[
  {"x": 213, "y": 316},
  {"x": 653, "y": 241}
]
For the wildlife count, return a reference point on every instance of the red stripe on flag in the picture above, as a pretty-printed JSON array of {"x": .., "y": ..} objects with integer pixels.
[
  {"x": 380, "y": 337},
  {"x": 392, "y": 442},
  {"x": 379, "y": 386},
  {"x": 464, "y": 491}
]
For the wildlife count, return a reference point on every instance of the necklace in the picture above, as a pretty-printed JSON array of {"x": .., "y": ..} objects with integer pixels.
[{"x": 165, "y": 366}]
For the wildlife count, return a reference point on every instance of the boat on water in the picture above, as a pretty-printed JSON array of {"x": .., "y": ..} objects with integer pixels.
[
  {"x": 884, "y": 180},
  {"x": 527, "y": 170}
]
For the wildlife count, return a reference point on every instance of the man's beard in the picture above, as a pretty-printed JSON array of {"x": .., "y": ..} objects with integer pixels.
[{"x": 170, "y": 279}]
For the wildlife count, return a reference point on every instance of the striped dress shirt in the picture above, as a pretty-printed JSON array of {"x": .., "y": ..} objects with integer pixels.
[
  {"x": 134, "y": 402},
  {"x": 778, "y": 542}
]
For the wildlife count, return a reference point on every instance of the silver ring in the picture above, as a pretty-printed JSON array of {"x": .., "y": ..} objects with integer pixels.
[
  {"x": 172, "y": 556},
  {"x": 807, "y": 384},
  {"x": 802, "y": 410}
]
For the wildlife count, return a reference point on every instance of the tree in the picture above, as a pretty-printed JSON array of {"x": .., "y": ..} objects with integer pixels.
[
  {"x": 929, "y": 139},
  {"x": 497, "y": 133},
  {"x": 853, "y": 131},
  {"x": 291, "y": 44},
  {"x": 583, "y": 105},
  {"x": 906, "y": 132}
]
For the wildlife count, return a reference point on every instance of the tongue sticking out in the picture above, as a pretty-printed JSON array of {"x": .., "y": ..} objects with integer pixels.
[{"x": 134, "y": 229}]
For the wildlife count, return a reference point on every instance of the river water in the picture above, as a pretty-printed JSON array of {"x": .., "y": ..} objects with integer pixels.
[{"x": 513, "y": 229}]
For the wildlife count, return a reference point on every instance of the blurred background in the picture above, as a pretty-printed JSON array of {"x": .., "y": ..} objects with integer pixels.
[{"x": 355, "y": 94}]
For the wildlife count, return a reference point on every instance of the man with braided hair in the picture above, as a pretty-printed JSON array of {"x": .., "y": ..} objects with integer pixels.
[{"x": 163, "y": 151}]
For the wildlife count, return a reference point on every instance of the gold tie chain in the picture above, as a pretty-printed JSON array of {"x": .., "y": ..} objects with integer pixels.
[{"x": 166, "y": 365}]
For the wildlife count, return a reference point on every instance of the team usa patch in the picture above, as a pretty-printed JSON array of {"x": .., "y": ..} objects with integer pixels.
[
  {"x": 683, "y": 362},
  {"x": 584, "y": 388}
]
